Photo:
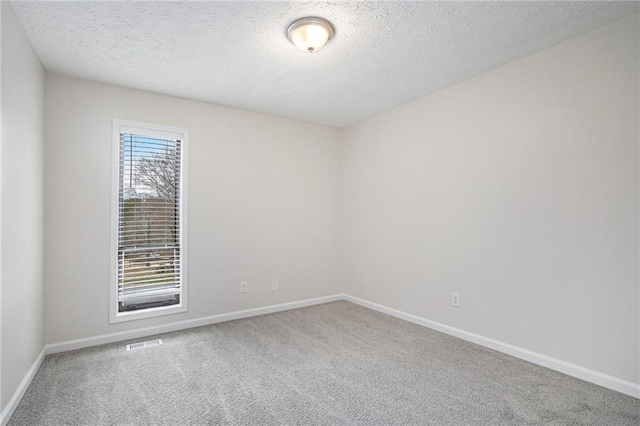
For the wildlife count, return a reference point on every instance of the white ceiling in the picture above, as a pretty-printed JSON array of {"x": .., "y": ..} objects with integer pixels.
[{"x": 236, "y": 53}]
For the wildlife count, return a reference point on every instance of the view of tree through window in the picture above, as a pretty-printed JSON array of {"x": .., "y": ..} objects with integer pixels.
[{"x": 148, "y": 223}]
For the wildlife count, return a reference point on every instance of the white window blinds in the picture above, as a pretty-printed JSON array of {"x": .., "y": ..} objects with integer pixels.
[{"x": 149, "y": 252}]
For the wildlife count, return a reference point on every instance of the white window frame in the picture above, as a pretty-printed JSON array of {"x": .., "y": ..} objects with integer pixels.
[{"x": 159, "y": 131}]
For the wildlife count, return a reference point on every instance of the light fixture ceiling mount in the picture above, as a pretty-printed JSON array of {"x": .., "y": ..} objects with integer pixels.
[{"x": 310, "y": 34}]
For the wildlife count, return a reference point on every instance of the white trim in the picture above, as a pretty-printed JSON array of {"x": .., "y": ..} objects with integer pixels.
[
  {"x": 71, "y": 345},
  {"x": 24, "y": 385},
  {"x": 595, "y": 377},
  {"x": 604, "y": 380},
  {"x": 151, "y": 129},
  {"x": 184, "y": 218},
  {"x": 161, "y": 131},
  {"x": 181, "y": 325},
  {"x": 113, "y": 248},
  {"x": 116, "y": 317}
]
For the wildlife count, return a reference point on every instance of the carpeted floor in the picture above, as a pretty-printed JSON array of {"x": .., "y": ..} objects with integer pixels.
[{"x": 335, "y": 364}]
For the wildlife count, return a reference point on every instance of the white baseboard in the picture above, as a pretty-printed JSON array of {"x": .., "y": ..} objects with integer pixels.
[
  {"x": 182, "y": 325},
  {"x": 604, "y": 380},
  {"x": 601, "y": 379},
  {"x": 143, "y": 332},
  {"x": 24, "y": 385}
]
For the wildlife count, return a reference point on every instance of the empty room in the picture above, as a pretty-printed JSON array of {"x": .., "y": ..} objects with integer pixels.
[{"x": 319, "y": 213}]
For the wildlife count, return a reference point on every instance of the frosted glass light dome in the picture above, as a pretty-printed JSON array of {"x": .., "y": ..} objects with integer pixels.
[{"x": 310, "y": 34}]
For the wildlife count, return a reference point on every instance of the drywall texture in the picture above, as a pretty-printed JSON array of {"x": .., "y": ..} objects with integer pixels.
[
  {"x": 235, "y": 53},
  {"x": 22, "y": 199},
  {"x": 519, "y": 190},
  {"x": 263, "y": 205}
]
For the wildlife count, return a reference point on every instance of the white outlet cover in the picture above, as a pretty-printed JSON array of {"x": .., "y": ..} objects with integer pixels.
[
  {"x": 244, "y": 286},
  {"x": 455, "y": 299},
  {"x": 274, "y": 285}
]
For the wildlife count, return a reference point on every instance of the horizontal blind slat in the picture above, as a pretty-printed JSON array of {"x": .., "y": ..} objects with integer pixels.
[{"x": 149, "y": 215}]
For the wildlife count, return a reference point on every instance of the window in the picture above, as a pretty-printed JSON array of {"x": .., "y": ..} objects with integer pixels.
[{"x": 149, "y": 198}]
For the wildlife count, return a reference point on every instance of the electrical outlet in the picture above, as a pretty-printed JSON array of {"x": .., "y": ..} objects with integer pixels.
[
  {"x": 274, "y": 285},
  {"x": 455, "y": 300},
  {"x": 244, "y": 286}
]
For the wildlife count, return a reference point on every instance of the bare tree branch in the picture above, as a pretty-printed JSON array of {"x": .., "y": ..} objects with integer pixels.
[{"x": 159, "y": 174}]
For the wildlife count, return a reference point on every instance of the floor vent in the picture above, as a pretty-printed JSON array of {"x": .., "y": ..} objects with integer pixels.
[{"x": 134, "y": 346}]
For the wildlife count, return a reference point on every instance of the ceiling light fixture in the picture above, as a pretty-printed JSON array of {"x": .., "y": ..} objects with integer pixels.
[{"x": 310, "y": 34}]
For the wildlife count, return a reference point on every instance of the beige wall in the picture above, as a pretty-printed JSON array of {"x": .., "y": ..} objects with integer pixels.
[
  {"x": 519, "y": 190},
  {"x": 263, "y": 205},
  {"x": 21, "y": 214}
]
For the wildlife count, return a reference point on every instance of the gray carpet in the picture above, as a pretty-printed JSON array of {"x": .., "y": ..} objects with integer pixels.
[{"x": 336, "y": 363}]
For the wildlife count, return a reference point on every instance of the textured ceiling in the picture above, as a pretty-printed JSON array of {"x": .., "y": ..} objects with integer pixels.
[{"x": 236, "y": 53}]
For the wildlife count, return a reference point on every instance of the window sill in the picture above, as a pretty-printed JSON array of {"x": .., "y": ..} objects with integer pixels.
[{"x": 147, "y": 313}]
